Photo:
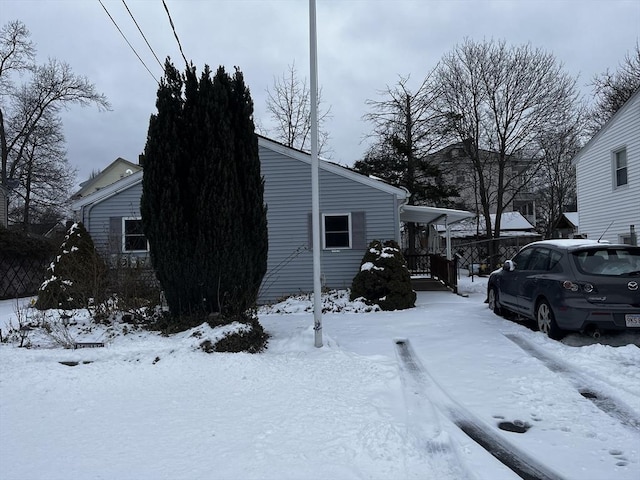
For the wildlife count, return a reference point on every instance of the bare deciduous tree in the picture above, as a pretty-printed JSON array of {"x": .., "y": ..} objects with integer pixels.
[
  {"x": 289, "y": 104},
  {"x": 30, "y": 105},
  {"x": 555, "y": 183},
  {"x": 44, "y": 176},
  {"x": 612, "y": 90},
  {"x": 499, "y": 99},
  {"x": 406, "y": 129}
]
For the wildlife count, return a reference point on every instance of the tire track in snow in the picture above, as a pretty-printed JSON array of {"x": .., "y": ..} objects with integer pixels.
[
  {"x": 423, "y": 424},
  {"x": 419, "y": 380},
  {"x": 589, "y": 388}
]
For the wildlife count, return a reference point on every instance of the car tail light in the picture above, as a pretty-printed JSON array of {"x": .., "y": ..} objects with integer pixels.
[
  {"x": 569, "y": 285},
  {"x": 575, "y": 287}
]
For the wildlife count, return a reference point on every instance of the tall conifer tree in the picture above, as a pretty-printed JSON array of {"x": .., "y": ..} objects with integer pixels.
[{"x": 202, "y": 202}]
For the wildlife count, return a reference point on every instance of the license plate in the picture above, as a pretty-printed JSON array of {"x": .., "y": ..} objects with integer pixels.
[{"x": 632, "y": 320}]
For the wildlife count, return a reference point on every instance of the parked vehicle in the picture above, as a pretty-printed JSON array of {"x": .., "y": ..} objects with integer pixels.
[{"x": 570, "y": 285}]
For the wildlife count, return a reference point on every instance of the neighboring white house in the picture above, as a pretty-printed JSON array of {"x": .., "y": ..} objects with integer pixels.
[{"x": 608, "y": 178}]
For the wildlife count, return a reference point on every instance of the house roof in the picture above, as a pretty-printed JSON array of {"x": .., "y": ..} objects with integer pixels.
[
  {"x": 428, "y": 215},
  {"x": 135, "y": 178},
  {"x": 332, "y": 167},
  {"x": 568, "y": 220},
  {"x": 628, "y": 105},
  {"x": 511, "y": 224},
  {"x": 117, "y": 163}
]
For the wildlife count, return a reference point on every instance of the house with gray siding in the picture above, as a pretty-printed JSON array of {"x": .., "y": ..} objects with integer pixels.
[
  {"x": 354, "y": 209},
  {"x": 608, "y": 178}
]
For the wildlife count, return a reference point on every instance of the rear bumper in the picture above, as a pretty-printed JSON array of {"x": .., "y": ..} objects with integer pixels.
[{"x": 579, "y": 314}]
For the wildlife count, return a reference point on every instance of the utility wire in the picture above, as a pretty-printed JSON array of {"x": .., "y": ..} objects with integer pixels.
[
  {"x": 128, "y": 43},
  {"x": 143, "y": 36},
  {"x": 174, "y": 32}
]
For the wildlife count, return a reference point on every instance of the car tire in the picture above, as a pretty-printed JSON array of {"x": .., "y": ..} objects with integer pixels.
[
  {"x": 546, "y": 321},
  {"x": 492, "y": 298},
  {"x": 494, "y": 304}
]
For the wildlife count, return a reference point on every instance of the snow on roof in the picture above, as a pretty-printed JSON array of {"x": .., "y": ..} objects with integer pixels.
[
  {"x": 572, "y": 217},
  {"x": 511, "y": 224}
]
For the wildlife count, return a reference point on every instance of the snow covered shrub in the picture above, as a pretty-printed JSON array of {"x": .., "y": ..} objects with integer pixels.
[
  {"x": 76, "y": 276},
  {"x": 251, "y": 338},
  {"x": 383, "y": 278}
]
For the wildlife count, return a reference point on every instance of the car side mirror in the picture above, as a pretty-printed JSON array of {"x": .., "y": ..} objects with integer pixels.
[{"x": 509, "y": 266}]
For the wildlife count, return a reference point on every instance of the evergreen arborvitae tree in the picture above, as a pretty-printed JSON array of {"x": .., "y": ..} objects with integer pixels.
[
  {"x": 202, "y": 198},
  {"x": 76, "y": 276},
  {"x": 383, "y": 278}
]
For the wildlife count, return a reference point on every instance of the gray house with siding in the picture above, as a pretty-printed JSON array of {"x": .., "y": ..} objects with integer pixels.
[
  {"x": 608, "y": 178},
  {"x": 354, "y": 210}
]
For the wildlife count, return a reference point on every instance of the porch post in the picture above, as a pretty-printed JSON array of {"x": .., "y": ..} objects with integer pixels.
[{"x": 449, "y": 254}]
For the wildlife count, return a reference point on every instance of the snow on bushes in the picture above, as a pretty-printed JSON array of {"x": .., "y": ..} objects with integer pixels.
[
  {"x": 383, "y": 278},
  {"x": 76, "y": 275}
]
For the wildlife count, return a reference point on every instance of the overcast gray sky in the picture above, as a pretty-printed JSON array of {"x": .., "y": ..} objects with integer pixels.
[{"x": 363, "y": 45}]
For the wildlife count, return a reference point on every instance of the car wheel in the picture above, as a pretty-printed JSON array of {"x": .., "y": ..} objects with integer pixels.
[
  {"x": 547, "y": 321},
  {"x": 493, "y": 300}
]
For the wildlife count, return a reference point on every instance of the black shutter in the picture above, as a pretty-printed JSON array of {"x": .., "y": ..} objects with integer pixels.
[
  {"x": 359, "y": 233},
  {"x": 115, "y": 234}
]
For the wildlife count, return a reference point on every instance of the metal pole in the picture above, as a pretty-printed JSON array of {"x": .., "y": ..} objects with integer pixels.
[{"x": 315, "y": 187}]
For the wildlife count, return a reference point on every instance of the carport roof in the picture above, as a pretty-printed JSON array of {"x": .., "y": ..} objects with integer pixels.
[{"x": 428, "y": 215}]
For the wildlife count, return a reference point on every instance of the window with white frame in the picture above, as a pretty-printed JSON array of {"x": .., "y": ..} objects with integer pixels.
[
  {"x": 620, "y": 167},
  {"x": 337, "y": 230},
  {"x": 133, "y": 239}
]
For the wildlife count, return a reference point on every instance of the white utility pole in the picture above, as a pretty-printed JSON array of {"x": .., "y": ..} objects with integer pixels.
[{"x": 315, "y": 181}]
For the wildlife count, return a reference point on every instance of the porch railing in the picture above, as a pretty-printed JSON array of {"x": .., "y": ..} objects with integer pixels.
[{"x": 445, "y": 270}]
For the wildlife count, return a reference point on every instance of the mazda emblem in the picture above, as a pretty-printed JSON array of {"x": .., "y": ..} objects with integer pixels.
[{"x": 632, "y": 285}]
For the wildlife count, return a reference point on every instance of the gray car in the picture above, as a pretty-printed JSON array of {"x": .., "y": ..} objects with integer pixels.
[{"x": 570, "y": 285}]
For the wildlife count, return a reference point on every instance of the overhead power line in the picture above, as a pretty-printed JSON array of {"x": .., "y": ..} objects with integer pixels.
[
  {"x": 128, "y": 43},
  {"x": 143, "y": 36},
  {"x": 174, "y": 32}
]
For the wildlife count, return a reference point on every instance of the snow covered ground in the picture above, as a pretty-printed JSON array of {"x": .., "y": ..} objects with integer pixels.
[{"x": 152, "y": 407}]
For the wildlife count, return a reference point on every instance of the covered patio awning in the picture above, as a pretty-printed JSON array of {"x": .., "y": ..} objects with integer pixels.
[
  {"x": 429, "y": 215},
  {"x": 432, "y": 215}
]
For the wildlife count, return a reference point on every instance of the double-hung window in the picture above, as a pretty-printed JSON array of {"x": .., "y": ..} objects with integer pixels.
[
  {"x": 337, "y": 230},
  {"x": 133, "y": 239},
  {"x": 620, "y": 167}
]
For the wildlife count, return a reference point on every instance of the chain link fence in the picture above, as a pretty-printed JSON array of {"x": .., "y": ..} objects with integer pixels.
[{"x": 20, "y": 276}]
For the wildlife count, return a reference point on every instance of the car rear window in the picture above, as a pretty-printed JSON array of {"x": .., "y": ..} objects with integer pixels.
[{"x": 608, "y": 261}]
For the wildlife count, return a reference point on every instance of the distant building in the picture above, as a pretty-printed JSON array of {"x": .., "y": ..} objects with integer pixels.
[
  {"x": 116, "y": 170},
  {"x": 567, "y": 225},
  {"x": 458, "y": 169}
]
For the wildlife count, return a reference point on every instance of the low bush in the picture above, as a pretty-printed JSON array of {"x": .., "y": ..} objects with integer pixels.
[{"x": 383, "y": 278}]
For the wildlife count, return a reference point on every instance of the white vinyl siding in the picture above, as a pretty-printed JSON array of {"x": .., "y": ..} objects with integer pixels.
[{"x": 604, "y": 209}]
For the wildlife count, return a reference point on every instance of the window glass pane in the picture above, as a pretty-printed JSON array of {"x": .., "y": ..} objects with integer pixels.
[
  {"x": 621, "y": 167},
  {"x": 521, "y": 258},
  {"x": 133, "y": 227},
  {"x": 613, "y": 261},
  {"x": 135, "y": 243},
  {"x": 336, "y": 224},
  {"x": 336, "y": 231},
  {"x": 134, "y": 239},
  {"x": 539, "y": 260},
  {"x": 337, "y": 240},
  {"x": 621, "y": 177}
]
